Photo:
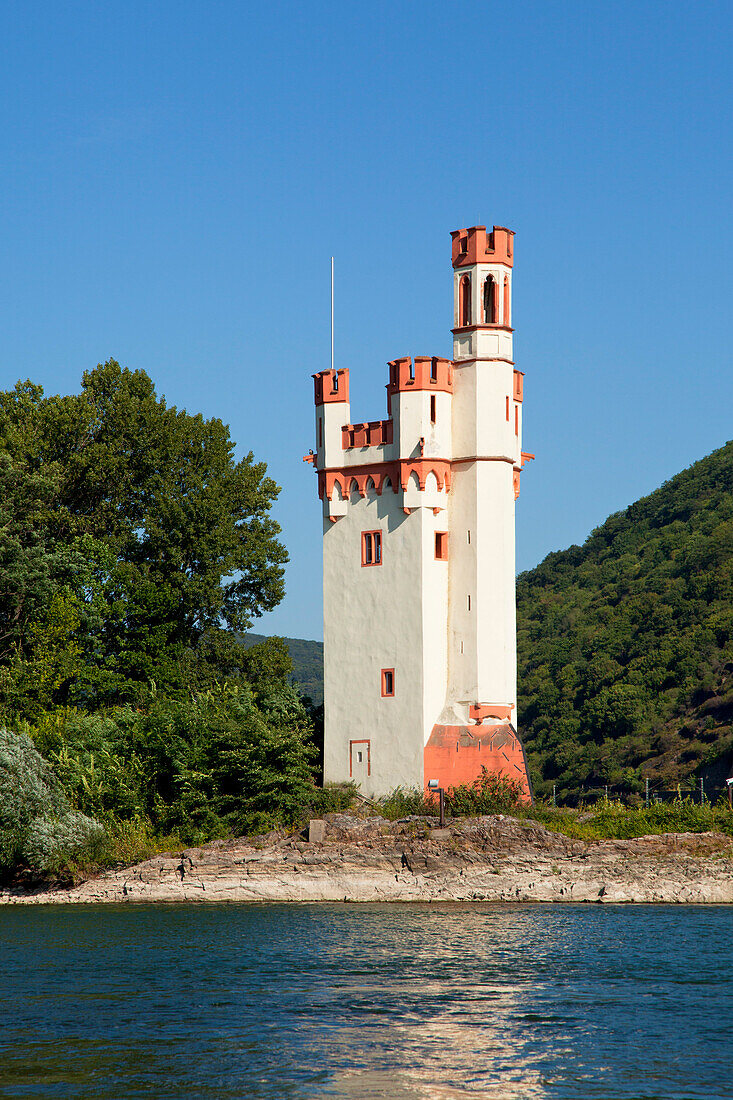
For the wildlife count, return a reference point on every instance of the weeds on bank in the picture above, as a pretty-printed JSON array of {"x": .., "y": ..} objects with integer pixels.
[{"x": 495, "y": 794}]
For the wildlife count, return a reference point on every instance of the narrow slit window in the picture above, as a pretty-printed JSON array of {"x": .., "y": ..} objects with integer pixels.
[
  {"x": 468, "y": 603},
  {"x": 490, "y": 300},
  {"x": 320, "y": 432},
  {"x": 441, "y": 545},
  {"x": 468, "y": 537},
  {"x": 507, "y": 410},
  {"x": 461, "y": 647},
  {"x": 387, "y": 683},
  {"x": 465, "y": 301},
  {"x": 516, "y": 419},
  {"x": 371, "y": 548},
  {"x": 432, "y": 408},
  {"x": 433, "y": 369}
]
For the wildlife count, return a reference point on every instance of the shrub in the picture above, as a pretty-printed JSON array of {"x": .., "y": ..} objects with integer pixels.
[
  {"x": 38, "y": 827},
  {"x": 490, "y": 793}
]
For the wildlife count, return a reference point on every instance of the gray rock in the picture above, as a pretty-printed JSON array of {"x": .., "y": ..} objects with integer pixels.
[
  {"x": 491, "y": 859},
  {"x": 316, "y": 831}
]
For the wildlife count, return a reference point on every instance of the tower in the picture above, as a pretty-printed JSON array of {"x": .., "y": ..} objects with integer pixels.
[{"x": 418, "y": 550}]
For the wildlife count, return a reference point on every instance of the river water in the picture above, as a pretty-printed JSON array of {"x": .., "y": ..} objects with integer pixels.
[{"x": 408, "y": 1002}]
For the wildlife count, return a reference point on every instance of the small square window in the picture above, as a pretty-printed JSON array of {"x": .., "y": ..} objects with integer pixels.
[
  {"x": 387, "y": 683},
  {"x": 441, "y": 546},
  {"x": 371, "y": 548}
]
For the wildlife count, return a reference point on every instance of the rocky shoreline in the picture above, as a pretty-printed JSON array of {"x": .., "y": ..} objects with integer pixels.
[{"x": 486, "y": 859}]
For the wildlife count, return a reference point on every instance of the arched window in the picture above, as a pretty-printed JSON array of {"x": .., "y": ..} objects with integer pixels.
[
  {"x": 507, "y": 312},
  {"x": 490, "y": 300},
  {"x": 464, "y": 317}
]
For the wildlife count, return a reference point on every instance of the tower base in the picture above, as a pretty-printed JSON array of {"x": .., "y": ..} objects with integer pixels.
[{"x": 455, "y": 755}]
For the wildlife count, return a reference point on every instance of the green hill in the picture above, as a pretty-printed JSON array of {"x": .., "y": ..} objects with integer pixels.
[
  {"x": 307, "y": 658},
  {"x": 626, "y": 642}
]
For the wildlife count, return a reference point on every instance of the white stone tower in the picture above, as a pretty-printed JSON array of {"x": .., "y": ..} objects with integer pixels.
[{"x": 418, "y": 550}]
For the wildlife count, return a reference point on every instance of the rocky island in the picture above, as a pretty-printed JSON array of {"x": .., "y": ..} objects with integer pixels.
[{"x": 347, "y": 858}]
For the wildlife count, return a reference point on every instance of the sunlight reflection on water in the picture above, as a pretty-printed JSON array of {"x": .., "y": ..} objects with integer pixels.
[{"x": 358, "y": 1002}]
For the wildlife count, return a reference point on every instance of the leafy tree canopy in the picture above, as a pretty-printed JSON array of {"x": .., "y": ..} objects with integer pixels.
[{"x": 132, "y": 545}]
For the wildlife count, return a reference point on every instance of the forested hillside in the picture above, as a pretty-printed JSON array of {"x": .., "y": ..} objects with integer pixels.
[{"x": 626, "y": 642}]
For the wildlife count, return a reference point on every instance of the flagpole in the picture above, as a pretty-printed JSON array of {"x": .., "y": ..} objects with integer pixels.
[{"x": 332, "y": 313}]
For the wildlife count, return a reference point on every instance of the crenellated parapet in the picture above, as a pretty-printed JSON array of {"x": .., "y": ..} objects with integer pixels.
[
  {"x": 476, "y": 246},
  {"x": 375, "y": 433},
  {"x": 409, "y": 452},
  {"x": 422, "y": 373},
  {"x": 331, "y": 387}
]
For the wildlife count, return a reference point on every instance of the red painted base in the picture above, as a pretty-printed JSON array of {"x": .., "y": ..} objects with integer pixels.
[{"x": 456, "y": 754}]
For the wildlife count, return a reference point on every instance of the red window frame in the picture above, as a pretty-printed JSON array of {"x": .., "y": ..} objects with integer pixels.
[
  {"x": 371, "y": 548},
  {"x": 441, "y": 546},
  {"x": 387, "y": 683}
]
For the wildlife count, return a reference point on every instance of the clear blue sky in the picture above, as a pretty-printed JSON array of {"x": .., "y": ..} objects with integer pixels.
[{"x": 175, "y": 177}]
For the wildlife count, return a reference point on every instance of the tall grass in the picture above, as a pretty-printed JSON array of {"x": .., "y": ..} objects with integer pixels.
[{"x": 495, "y": 794}]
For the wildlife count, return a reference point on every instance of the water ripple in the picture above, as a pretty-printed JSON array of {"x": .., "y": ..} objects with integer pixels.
[{"x": 363, "y": 1001}]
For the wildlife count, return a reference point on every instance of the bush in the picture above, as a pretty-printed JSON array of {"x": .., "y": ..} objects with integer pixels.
[
  {"x": 38, "y": 828},
  {"x": 220, "y": 762},
  {"x": 490, "y": 793},
  {"x": 333, "y": 798}
]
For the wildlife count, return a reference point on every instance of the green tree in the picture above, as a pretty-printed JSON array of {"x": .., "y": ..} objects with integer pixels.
[{"x": 163, "y": 541}]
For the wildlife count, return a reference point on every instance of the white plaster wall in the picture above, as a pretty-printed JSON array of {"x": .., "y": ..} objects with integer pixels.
[
  {"x": 495, "y": 621},
  {"x": 373, "y": 619},
  {"x": 435, "y": 620},
  {"x": 462, "y": 639},
  {"x": 482, "y": 639},
  {"x": 334, "y": 415},
  {"x": 464, "y": 410},
  {"x": 495, "y": 434},
  {"x": 363, "y": 456},
  {"x": 411, "y": 414}
]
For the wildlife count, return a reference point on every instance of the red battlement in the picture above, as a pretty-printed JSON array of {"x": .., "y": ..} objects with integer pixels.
[
  {"x": 425, "y": 373},
  {"x": 331, "y": 386},
  {"x": 476, "y": 246}
]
